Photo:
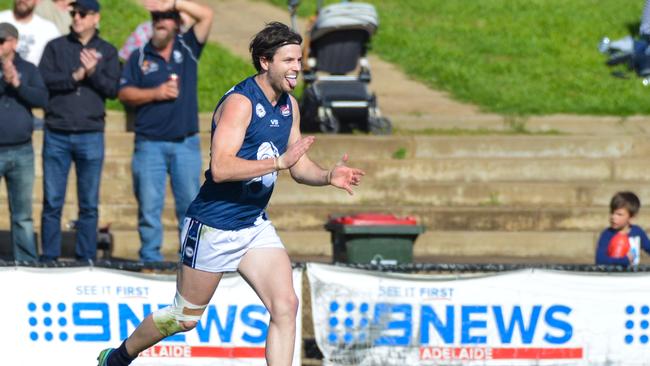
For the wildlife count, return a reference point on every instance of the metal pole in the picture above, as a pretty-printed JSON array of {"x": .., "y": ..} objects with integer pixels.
[{"x": 293, "y": 7}]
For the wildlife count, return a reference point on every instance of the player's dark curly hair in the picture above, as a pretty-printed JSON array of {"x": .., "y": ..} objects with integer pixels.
[
  {"x": 268, "y": 40},
  {"x": 626, "y": 200}
]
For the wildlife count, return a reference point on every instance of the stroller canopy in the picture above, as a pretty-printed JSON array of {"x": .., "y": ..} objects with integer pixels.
[{"x": 345, "y": 16}]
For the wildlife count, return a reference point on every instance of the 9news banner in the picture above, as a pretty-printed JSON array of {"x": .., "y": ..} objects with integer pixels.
[{"x": 66, "y": 316}]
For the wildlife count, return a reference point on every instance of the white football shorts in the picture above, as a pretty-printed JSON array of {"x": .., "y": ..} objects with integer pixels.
[{"x": 212, "y": 250}]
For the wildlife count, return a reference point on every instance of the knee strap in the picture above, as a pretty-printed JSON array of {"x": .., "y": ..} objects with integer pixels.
[{"x": 168, "y": 320}]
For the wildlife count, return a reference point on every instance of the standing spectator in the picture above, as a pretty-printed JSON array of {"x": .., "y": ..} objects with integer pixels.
[
  {"x": 81, "y": 71},
  {"x": 57, "y": 12},
  {"x": 34, "y": 31},
  {"x": 142, "y": 34},
  {"x": 21, "y": 88},
  {"x": 160, "y": 81}
]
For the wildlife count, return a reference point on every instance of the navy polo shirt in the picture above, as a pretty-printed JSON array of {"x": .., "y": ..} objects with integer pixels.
[{"x": 146, "y": 68}]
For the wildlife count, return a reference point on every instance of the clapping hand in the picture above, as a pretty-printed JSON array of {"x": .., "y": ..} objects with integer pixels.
[
  {"x": 10, "y": 74},
  {"x": 89, "y": 60},
  {"x": 344, "y": 177},
  {"x": 294, "y": 153}
]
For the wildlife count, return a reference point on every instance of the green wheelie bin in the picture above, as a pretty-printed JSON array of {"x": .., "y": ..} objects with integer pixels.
[{"x": 373, "y": 238}]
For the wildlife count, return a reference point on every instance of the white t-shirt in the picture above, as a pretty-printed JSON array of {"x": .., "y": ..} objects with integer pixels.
[{"x": 32, "y": 36}]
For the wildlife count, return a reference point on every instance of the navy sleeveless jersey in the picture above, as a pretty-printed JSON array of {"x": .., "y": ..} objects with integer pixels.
[{"x": 240, "y": 204}]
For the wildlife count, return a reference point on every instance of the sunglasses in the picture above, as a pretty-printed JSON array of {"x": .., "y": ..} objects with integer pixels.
[
  {"x": 159, "y": 15},
  {"x": 2, "y": 41},
  {"x": 82, "y": 13}
]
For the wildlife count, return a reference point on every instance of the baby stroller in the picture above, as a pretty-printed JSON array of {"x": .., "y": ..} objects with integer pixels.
[
  {"x": 633, "y": 53},
  {"x": 336, "y": 97}
]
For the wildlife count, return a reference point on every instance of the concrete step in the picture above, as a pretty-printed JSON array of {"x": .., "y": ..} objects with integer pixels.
[
  {"x": 363, "y": 147},
  {"x": 482, "y": 123},
  {"x": 484, "y": 218},
  {"x": 462, "y": 169},
  {"x": 525, "y": 146},
  {"x": 431, "y": 246},
  {"x": 315, "y": 243},
  {"x": 455, "y": 194},
  {"x": 493, "y": 123},
  {"x": 312, "y": 217},
  {"x": 482, "y": 246},
  {"x": 127, "y": 244},
  {"x": 563, "y": 247},
  {"x": 116, "y": 121},
  {"x": 117, "y": 189}
]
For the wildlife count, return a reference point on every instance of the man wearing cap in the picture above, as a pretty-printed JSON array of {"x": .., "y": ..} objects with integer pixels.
[
  {"x": 81, "y": 71},
  {"x": 21, "y": 89},
  {"x": 160, "y": 81},
  {"x": 33, "y": 30}
]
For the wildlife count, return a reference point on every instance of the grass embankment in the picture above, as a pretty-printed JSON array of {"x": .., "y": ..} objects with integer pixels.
[
  {"x": 219, "y": 70},
  {"x": 518, "y": 57}
]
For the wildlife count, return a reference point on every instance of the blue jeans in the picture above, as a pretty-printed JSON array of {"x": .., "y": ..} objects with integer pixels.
[
  {"x": 17, "y": 167},
  {"x": 152, "y": 161},
  {"x": 60, "y": 149}
]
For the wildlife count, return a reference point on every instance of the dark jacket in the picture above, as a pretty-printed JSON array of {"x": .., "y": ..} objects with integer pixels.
[
  {"x": 16, "y": 121},
  {"x": 78, "y": 106}
]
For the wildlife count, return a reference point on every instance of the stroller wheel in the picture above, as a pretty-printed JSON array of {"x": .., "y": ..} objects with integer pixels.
[
  {"x": 329, "y": 123},
  {"x": 619, "y": 58},
  {"x": 379, "y": 126}
]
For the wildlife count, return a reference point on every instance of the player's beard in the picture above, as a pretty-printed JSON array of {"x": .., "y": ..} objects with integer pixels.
[
  {"x": 160, "y": 40},
  {"x": 22, "y": 9},
  {"x": 279, "y": 82}
]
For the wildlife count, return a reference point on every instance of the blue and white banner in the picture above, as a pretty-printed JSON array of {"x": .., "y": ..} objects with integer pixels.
[
  {"x": 528, "y": 317},
  {"x": 60, "y": 316}
]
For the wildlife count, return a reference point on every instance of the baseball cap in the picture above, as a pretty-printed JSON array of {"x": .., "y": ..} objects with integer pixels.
[
  {"x": 92, "y": 5},
  {"x": 7, "y": 30}
]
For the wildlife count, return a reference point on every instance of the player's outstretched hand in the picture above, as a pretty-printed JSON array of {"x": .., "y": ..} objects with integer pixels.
[
  {"x": 294, "y": 152},
  {"x": 344, "y": 177}
]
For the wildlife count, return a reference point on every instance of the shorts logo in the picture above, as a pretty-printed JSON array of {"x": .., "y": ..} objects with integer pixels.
[
  {"x": 284, "y": 109},
  {"x": 189, "y": 252},
  {"x": 260, "y": 111}
]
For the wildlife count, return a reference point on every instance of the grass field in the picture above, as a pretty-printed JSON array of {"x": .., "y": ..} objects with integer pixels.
[
  {"x": 219, "y": 70},
  {"x": 517, "y": 57}
]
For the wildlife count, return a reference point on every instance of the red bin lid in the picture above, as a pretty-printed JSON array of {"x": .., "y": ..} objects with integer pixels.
[{"x": 366, "y": 219}]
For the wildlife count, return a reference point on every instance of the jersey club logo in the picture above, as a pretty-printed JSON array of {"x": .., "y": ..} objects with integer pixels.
[
  {"x": 260, "y": 111},
  {"x": 284, "y": 109}
]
